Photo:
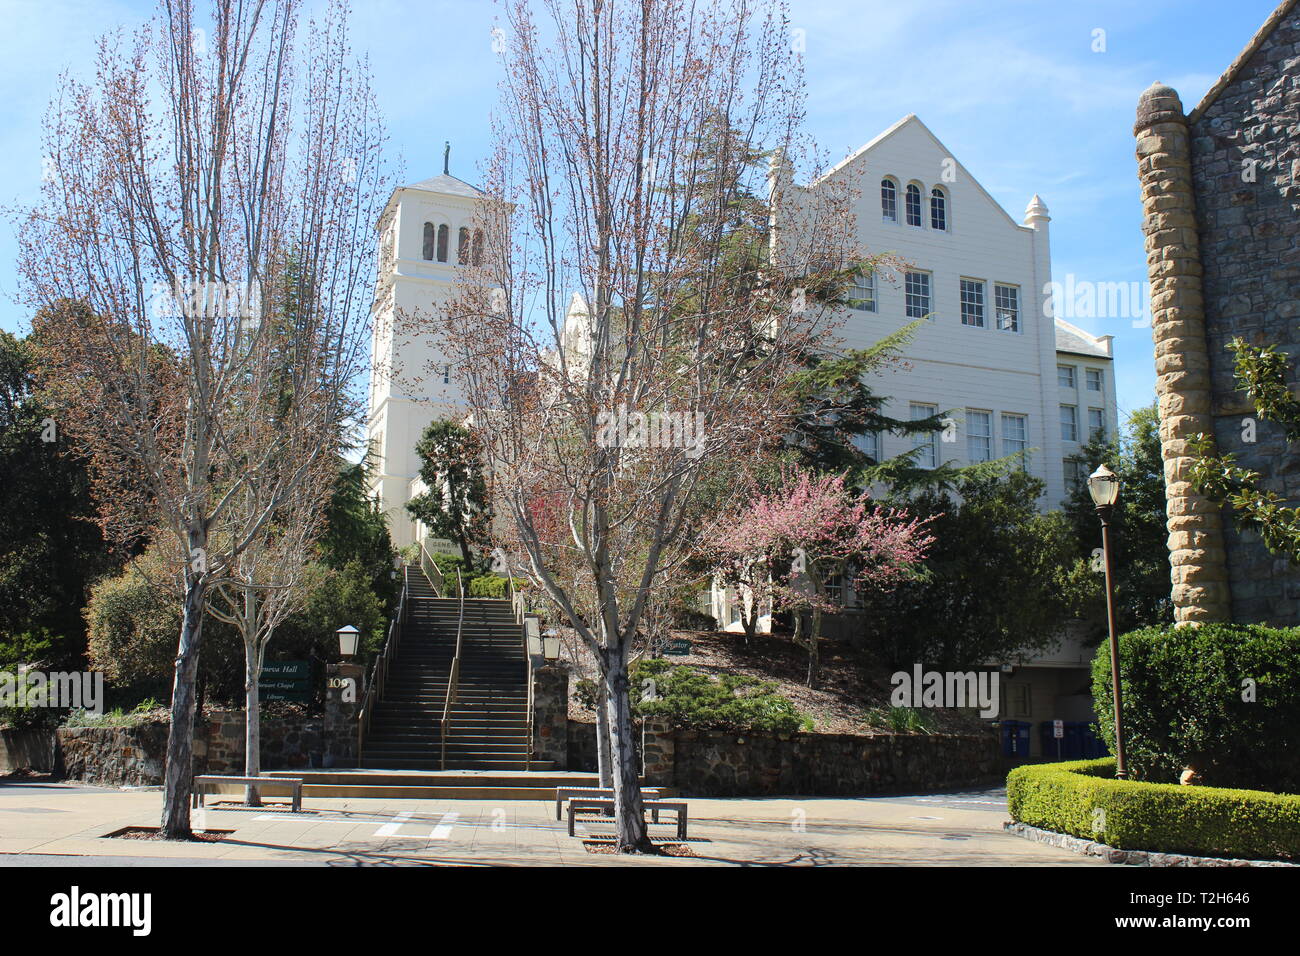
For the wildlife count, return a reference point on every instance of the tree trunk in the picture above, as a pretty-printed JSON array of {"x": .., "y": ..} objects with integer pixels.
[
  {"x": 178, "y": 780},
  {"x": 604, "y": 759},
  {"x": 252, "y": 721},
  {"x": 629, "y": 814},
  {"x": 814, "y": 649}
]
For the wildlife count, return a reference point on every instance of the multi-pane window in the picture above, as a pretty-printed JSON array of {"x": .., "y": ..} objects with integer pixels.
[
  {"x": 972, "y": 303},
  {"x": 1065, "y": 376},
  {"x": 1069, "y": 423},
  {"x": 446, "y": 375},
  {"x": 938, "y": 209},
  {"x": 888, "y": 200},
  {"x": 979, "y": 435},
  {"x": 913, "y": 204},
  {"x": 1015, "y": 434},
  {"x": 1076, "y": 473},
  {"x": 429, "y": 240},
  {"x": 1006, "y": 303},
  {"x": 916, "y": 294},
  {"x": 928, "y": 456},
  {"x": 869, "y": 445},
  {"x": 1094, "y": 380},
  {"x": 863, "y": 297},
  {"x": 1096, "y": 422}
]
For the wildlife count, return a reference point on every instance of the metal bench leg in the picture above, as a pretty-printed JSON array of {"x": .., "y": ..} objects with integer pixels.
[
  {"x": 297, "y": 800},
  {"x": 557, "y": 808},
  {"x": 681, "y": 824},
  {"x": 570, "y": 819}
]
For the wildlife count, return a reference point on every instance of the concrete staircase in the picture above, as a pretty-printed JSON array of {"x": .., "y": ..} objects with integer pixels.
[
  {"x": 433, "y": 785},
  {"x": 489, "y": 718}
]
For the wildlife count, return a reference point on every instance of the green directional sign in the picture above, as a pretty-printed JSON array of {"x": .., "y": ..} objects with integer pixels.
[{"x": 285, "y": 680}]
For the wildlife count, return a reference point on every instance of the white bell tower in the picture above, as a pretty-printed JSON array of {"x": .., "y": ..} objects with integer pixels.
[{"x": 425, "y": 232}]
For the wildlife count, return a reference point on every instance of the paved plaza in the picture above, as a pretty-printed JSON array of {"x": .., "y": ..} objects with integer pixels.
[{"x": 62, "y": 824}]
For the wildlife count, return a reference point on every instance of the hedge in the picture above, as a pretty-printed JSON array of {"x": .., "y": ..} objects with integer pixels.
[
  {"x": 1223, "y": 699},
  {"x": 1082, "y": 798}
]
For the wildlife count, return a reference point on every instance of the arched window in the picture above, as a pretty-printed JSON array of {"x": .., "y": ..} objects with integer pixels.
[
  {"x": 478, "y": 247},
  {"x": 443, "y": 232},
  {"x": 938, "y": 209},
  {"x": 913, "y": 204},
  {"x": 462, "y": 246},
  {"x": 888, "y": 200},
  {"x": 428, "y": 240}
]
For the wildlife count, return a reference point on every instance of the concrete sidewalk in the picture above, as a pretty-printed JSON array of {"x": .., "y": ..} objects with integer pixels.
[{"x": 71, "y": 820}]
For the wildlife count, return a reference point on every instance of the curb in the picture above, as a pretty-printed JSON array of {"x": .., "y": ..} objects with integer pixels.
[{"x": 1129, "y": 857}]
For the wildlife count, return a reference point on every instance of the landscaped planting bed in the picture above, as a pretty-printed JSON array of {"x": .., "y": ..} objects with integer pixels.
[{"x": 1083, "y": 798}]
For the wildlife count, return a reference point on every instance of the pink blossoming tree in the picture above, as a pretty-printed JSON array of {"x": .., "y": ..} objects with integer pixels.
[{"x": 782, "y": 548}]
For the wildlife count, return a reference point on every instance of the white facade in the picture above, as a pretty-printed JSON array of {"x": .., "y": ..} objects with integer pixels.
[
  {"x": 424, "y": 231},
  {"x": 988, "y": 355}
]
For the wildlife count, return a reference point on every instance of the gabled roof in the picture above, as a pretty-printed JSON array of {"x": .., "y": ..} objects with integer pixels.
[
  {"x": 1263, "y": 33},
  {"x": 449, "y": 185},
  {"x": 909, "y": 120},
  {"x": 1072, "y": 339}
]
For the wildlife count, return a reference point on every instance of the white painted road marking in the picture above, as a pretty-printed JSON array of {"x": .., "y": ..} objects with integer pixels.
[
  {"x": 443, "y": 829},
  {"x": 388, "y": 829}
]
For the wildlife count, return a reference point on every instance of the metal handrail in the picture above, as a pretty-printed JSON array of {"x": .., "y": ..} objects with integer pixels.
[
  {"x": 379, "y": 673},
  {"x": 453, "y": 679},
  {"x": 518, "y": 606},
  {"x": 431, "y": 571}
]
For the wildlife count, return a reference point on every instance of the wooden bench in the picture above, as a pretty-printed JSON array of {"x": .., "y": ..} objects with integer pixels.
[
  {"x": 654, "y": 806},
  {"x": 293, "y": 783},
  {"x": 567, "y": 793}
]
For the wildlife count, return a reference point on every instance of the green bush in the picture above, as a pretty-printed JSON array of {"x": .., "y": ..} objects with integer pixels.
[
  {"x": 491, "y": 586},
  {"x": 1186, "y": 704},
  {"x": 1082, "y": 798},
  {"x": 691, "y": 700}
]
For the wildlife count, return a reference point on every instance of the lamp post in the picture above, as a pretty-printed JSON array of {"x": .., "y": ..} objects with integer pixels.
[
  {"x": 1103, "y": 486},
  {"x": 347, "y": 641}
]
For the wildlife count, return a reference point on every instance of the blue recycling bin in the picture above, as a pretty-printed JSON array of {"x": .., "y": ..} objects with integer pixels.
[
  {"x": 1015, "y": 738},
  {"x": 1094, "y": 747}
]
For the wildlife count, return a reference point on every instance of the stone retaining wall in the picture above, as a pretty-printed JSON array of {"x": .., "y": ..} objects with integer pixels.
[
  {"x": 724, "y": 764},
  {"x": 133, "y": 756},
  {"x": 27, "y": 750}
]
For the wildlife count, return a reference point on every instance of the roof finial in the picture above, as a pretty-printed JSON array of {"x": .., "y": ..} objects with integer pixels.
[{"x": 446, "y": 158}]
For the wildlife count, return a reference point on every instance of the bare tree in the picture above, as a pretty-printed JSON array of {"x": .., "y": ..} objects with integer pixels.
[
  {"x": 624, "y": 154},
  {"x": 207, "y": 159}
]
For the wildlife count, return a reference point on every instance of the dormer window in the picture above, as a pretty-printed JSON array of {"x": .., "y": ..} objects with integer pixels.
[
  {"x": 888, "y": 200},
  {"x": 938, "y": 210},
  {"x": 913, "y": 204},
  {"x": 443, "y": 233},
  {"x": 429, "y": 241}
]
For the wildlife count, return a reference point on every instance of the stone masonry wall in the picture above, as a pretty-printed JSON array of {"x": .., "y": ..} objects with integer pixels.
[
  {"x": 133, "y": 756},
  {"x": 723, "y": 764},
  {"x": 1250, "y": 250}
]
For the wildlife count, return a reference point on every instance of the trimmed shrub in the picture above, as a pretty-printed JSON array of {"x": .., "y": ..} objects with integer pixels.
[
  {"x": 1188, "y": 703},
  {"x": 491, "y": 586},
  {"x": 1082, "y": 798}
]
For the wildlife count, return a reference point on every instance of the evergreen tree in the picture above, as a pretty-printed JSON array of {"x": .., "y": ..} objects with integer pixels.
[{"x": 456, "y": 505}]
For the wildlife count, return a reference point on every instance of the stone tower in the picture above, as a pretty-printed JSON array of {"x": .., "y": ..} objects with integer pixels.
[{"x": 1221, "y": 197}]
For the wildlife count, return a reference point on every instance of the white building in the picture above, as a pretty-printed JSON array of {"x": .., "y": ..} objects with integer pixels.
[
  {"x": 989, "y": 354},
  {"x": 425, "y": 231}
]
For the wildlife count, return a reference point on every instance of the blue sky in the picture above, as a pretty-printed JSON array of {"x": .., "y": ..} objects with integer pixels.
[{"x": 1014, "y": 88}]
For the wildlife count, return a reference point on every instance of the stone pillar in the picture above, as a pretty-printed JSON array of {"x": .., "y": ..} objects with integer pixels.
[
  {"x": 344, "y": 690},
  {"x": 1196, "y": 545},
  {"x": 551, "y": 713},
  {"x": 658, "y": 754}
]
